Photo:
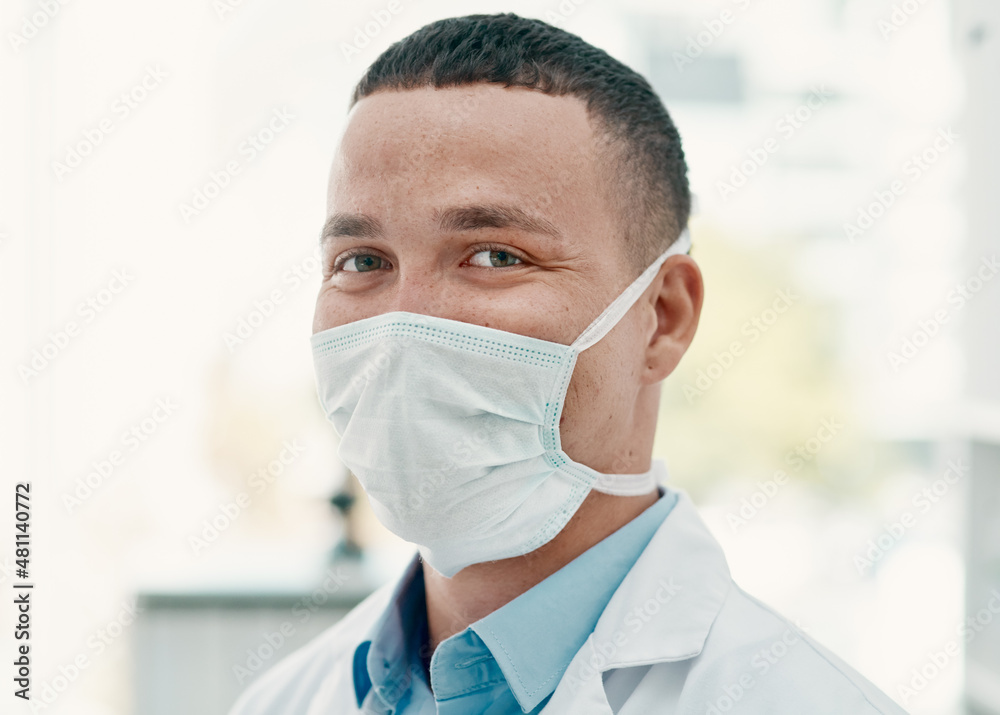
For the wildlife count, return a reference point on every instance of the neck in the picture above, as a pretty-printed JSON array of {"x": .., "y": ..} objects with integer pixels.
[{"x": 478, "y": 590}]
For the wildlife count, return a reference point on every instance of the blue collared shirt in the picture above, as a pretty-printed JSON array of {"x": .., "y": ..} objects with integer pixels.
[{"x": 510, "y": 661}]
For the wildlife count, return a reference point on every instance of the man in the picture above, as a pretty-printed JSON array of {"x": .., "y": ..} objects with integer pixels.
[{"x": 506, "y": 285}]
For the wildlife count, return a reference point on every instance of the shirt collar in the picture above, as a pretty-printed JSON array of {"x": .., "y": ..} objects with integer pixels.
[
  {"x": 531, "y": 637},
  {"x": 388, "y": 659}
]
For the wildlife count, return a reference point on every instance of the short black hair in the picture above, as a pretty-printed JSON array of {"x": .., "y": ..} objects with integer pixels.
[{"x": 651, "y": 189}]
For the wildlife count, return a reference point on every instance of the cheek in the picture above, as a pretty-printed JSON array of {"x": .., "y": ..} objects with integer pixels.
[
  {"x": 332, "y": 311},
  {"x": 321, "y": 321},
  {"x": 599, "y": 418},
  {"x": 592, "y": 416},
  {"x": 599, "y": 393}
]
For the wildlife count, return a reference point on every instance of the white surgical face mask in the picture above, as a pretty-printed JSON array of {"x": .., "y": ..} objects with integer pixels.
[{"x": 453, "y": 428}]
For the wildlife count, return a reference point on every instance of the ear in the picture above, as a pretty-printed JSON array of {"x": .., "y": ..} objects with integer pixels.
[{"x": 676, "y": 297}]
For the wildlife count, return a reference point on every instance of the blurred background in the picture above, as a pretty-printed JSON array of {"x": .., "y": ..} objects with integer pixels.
[{"x": 837, "y": 420}]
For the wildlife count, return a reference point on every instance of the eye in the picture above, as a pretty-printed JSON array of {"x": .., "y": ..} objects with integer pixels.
[
  {"x": 360, "y": 263},
  {"x": 494, "y": 258}
]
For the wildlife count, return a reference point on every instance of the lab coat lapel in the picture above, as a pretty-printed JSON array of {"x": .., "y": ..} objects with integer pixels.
[{"x": 662, "y": 611}]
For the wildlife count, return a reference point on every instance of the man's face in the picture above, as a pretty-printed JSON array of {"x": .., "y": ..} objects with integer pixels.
[{"x": 489, "y": 206}]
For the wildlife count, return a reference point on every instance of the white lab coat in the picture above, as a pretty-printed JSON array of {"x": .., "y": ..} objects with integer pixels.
[{"x": 677, "y": 637}]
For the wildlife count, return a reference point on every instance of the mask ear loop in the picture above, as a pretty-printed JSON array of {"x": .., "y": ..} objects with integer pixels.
[
  {"x": 608, "y": 319},
  {"x": 633, "y": 485}
]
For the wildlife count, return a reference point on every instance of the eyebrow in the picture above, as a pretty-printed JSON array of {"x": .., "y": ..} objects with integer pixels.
[
  {"x": 350, "y": 226},
  {"x": 458, "y": 218}
]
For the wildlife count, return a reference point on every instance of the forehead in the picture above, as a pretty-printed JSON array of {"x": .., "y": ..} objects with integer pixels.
[{"x": 462, "y": 143}]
